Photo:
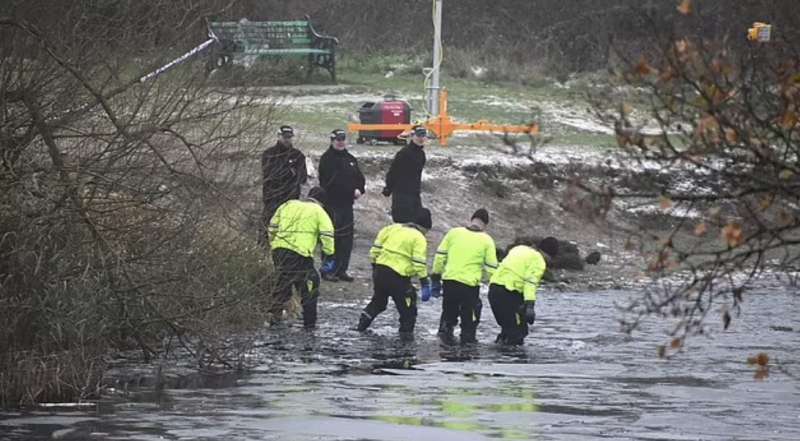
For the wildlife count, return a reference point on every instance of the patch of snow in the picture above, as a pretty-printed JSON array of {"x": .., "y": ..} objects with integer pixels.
[
  {"x": 570, "y": 117},
  {"x": 310, "y": 168},
  {"x": 676, "y": 211},
  {"x": 491, "y": 100},
  {"x": 478, "y": 71},
  {"x": 331, "y": 99}
]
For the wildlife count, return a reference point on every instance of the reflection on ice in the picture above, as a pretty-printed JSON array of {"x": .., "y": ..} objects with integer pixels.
[{"x": 577, "y": 377}]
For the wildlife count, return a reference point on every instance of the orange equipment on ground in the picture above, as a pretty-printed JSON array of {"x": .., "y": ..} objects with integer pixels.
[{"x": 443, "y": 126}]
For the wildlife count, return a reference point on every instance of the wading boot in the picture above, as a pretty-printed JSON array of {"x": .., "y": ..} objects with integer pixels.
[
  {"x": 446, "y": 334},
  {"x": 344, "y": 277},
  {"x": 468, "y": 337},
  {"x": 407, "y": 336},
  {"x": 363, "y": 322},
  {"x": 329, "y": 277}
]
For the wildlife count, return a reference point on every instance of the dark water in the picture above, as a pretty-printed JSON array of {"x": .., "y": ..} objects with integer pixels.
[{"x": 577, "y": 378}]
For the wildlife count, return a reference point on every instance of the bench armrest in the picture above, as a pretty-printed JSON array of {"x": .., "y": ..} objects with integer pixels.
[{"x": 325, "y": 41}]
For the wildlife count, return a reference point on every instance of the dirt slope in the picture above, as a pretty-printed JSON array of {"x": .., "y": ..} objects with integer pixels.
[{"x": 524, "y": 198}]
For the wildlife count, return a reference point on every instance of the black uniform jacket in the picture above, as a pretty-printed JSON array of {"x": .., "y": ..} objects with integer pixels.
[
  {"x": 284, "y": 171},
  {"x": 405, "y": 173},
  {"x": 340, "y": 176}
]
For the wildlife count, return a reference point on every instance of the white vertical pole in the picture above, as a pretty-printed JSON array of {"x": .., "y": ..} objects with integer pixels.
[{"x": 433, "y": 89}]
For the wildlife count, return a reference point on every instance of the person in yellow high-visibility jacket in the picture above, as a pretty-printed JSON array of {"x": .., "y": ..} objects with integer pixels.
[
  {"x": 294, "y": 231},
  {"x": 460, "y": 260},
  {"x": 512, "y": 289},
  {"x": 398, "y": 254}
]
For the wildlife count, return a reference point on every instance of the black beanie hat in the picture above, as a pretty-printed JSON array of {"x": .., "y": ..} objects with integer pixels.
[
  {"x": 317, "y": 193},
  {"x": 549, "y": 245},
  {"x": 424, "y": 218},
  {"x": 481, "y": 214}
]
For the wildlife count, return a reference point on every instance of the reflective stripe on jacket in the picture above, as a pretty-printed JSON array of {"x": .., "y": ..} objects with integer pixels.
[
  {"x": 403, "y": 248},
  {"x": 521, "y": 271},
  {"x": 299, "y": 225},
  {"x": 463, "y": 254}
]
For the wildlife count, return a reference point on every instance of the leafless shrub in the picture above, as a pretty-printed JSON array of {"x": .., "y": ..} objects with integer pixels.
[{"x": 121, "y": 201}]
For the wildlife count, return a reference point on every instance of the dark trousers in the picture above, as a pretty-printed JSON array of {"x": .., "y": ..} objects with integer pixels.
[
  {"x": 387, "y": 283},
  {"x": 295, "y": 272},
  {"x": 461, "y": 301},
  {"x": 342, "y": 217},
  {"x": 405, "y": 207},
  {"x": 506, "y": 309}
]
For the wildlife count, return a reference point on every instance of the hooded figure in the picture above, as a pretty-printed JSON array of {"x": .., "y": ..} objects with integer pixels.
[
  {"x": 462, "y": 257},
  {"x": 294, "y": 231},
  {"x": 399, "y": 254},
  {"x": 512, "y": 289}
]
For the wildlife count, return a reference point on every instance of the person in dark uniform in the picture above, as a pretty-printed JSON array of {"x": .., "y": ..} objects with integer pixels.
[
  {"x": 343, "y": 183},
  {"x": 398, "y": 254},
  {"x": 403, "y": 181},
  {"x": 283, "y": 171}
]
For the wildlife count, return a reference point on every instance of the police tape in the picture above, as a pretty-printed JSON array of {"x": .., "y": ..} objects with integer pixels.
[{"x": 196, "y": 50}]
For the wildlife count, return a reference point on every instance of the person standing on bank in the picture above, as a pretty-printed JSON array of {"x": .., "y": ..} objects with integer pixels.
[
  {"x": 343, "y": 183},
  {"x": 398, "y": 254},
  {"x": 294, "y": 231},
  {"x": 404, "y": 179},
  {"x": 458, "y": 267},
  {"x": 283, "y": 171},
  {"x": 512, "y": 289}
]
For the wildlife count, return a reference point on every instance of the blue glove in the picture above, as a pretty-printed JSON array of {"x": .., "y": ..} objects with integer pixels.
[
  {"x": 425, "y": 289},
  {"x": 328, "y": 265},
  {"x": 436, "y": 288}
]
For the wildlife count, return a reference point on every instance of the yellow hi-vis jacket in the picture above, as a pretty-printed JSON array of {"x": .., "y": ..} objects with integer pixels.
[
  {"x": 299, "y": 225},
  {"x": 521, "y": 271},
  {"x": 403, "y": 248},
  {"x": 462, "y": 255}
]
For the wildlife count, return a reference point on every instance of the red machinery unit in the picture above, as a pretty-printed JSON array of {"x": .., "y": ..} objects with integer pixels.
[{"x": 389, "y": 111}]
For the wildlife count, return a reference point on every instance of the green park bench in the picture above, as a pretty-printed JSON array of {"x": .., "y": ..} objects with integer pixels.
[{"x": 259, "y": 39}]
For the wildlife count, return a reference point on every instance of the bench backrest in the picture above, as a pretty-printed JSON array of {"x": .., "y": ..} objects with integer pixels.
[{"x": 265, "y": 34}]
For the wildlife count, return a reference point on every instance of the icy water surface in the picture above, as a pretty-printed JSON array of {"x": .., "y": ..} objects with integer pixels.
[{"x": 577, "y": 378}]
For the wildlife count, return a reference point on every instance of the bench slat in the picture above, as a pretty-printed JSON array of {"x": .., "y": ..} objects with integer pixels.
[
  {"x": 259, "y": 51},
  {"x": 296, "y": 23}
]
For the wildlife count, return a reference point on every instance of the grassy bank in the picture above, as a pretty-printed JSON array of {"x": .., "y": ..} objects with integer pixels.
[{"x": 559, "y": 107}]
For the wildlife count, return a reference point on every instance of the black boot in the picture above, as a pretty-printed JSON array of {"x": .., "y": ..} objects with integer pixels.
[
  {"x": 446, "y": 334},
  {"x": 468, "y": 337},
  {"x": 406, "y": 336},
  {"x": 363, "y": 322}
]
